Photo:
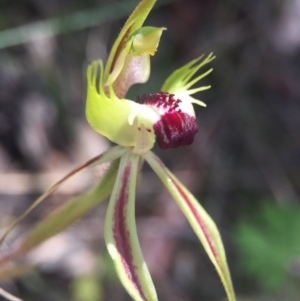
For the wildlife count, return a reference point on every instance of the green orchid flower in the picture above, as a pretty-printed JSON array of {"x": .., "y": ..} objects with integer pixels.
[{"x": 166, "y": 117}]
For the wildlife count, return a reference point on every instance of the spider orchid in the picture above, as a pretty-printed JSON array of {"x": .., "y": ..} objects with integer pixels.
[{"x": 166, "y": 117}]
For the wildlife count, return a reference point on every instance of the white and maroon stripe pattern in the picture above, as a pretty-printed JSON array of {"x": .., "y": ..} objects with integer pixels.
[
  {"x": 121, "y": 236},
  {"x": 121, "y": 233},
  {"x": 199, "y": 220}
]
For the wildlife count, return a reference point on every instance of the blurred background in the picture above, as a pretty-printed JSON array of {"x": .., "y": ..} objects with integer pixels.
[{"x": 244, "y": 166}]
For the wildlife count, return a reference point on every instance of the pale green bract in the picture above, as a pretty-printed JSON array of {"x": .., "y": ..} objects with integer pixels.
[{"x": 167, "y": 117}]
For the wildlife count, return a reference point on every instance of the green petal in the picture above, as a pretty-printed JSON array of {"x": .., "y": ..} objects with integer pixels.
[
  {"x": 65, "y": 215},
  {"x": 121, "y": 235},
  {"x": 134, "y": 22},
  {"x": 179, "y": 82},
  {"x": 107, "y": 115},
  {"x": 198, "y": 218},
  {"x": 107, "y": 156},
  {"x": 122, "y": 121}
]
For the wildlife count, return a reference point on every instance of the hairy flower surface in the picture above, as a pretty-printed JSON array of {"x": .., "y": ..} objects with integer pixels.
[{"x": 166, "y": 117}]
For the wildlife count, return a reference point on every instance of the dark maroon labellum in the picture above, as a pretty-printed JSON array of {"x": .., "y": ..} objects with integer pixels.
[{"x": 175, "y": 128}]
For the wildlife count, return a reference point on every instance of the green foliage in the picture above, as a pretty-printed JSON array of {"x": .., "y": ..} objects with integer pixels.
[
  {"x": 87, "y": 288},
  {"x": 269, "y": 243}
]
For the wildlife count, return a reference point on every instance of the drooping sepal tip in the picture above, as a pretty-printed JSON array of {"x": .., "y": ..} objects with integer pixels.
[
  {"x": 121, "y": 234},
  {"x": 200, "y": 221}
]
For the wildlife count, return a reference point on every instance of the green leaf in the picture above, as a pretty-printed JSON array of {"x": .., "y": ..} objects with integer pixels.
[
  {"x": 121, "y": 235},
  {"x": 87, "y": 288},
  {"x": 199, "y": 220},
  {"x": 270, "y": 242}
]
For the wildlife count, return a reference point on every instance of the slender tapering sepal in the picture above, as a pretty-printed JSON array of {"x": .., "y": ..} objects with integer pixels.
[
  {"x": 107, "y": 156},
  {"x": 121, "y": 236},
  {"x": 198, "y": 218},
  {"x": 134, "y": 22},
  {"x": 65, "y": 215}
]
